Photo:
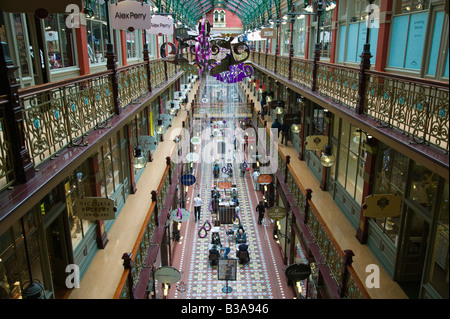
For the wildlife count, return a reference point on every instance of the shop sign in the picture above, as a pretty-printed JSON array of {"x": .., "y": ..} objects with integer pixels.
[
  {"x": 264, "y": 179},
  {"x": 130, "y": 14},
  {"x": 297, "y": 272},
  {"x": 180, "y": 215},
  {"x": 160, "y": 25},
  {"x": 268, "y": 33},
  {"x": 187, "y": 179},
  {"x": 147, "y": 142},
  {"x": 383, "y": 205},
  {"x": 316, "y": 142},
  {"x": 95, "y": 208},
  {"x": 167, "y": 275},
  {"x": 276, "y": 213}
]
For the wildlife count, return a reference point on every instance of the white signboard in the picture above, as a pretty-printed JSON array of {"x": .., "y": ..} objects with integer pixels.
[
  {"x": 160, "y": 25},
  {"x": 126, "y": 14},
  {"x": 175, "y": 103}
]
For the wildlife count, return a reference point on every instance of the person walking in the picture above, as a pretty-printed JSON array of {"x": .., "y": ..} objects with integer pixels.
[
  {"x": 261, "y": 209},
  {"x": 197, "y": 207}
]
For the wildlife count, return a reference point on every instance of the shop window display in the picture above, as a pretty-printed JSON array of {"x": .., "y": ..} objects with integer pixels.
[
  {"x": 60, "y": 42},
  {"x": 13, "y": 258},
  {"x": 438, "y": 276},
  {"x": 423, "y": 187},
  {"x": 97, "y": 33},
  {"x": 390, "y": 178}
]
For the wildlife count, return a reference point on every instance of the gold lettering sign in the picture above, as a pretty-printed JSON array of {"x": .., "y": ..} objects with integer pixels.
[
  {"x": 384, "y": 205},
  {"x": 95, "y": 208},
  {"x": 276, "y": 213},
  {"x": 316, "y": 142}
]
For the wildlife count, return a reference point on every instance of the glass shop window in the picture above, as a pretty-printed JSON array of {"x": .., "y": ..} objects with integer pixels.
[
  {"x": 390, "y": 178},
  {"x": 439, "y": 266},
  {"x": 14, "y": 272},
  {"x": 408, "y": 34},
  {"x": 423, "y": 187},
  {"x": 110, "y": 168},
  {"x": 77, "y": 186},
  {"x": 132, "y": 39},
  {"x": 97, "y": 33},
  {"x": 351, "y": 160},
  {"x": 60, "y": 42},
  {"x": 409, "y": 6}
]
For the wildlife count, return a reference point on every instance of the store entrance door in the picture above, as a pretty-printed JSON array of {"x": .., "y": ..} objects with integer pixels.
[
  {"x": 413, "y": 249},
  {"x": 57, "y": 254}
]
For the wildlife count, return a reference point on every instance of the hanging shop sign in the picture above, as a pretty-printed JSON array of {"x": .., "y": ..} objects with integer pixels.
[
  {"x": 95, "y": 208},
  {"x": 160, "y": 25},
  {"x": 193, "y": 157},
  {"x": 297, "y": 272},
  {"x": 166, "y": 119},
  {"x": 268, "y": 33},
  {"x": 187, "y": 179},
  {"x": 173, "y": 104},
  {"x": 316, "y": 142},
  {"x": 383, "y": 205},
  {"x": 130, "y": 14},
  {"x": 167, "y": 275},
  {"x": 264, "y": 179},
  {"x": 180, "y": 215},
  {"x": 147, "y": 142},
  {"x": 276, "y": 213}
]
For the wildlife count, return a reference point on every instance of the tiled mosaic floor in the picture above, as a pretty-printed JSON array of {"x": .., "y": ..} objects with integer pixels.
[{"x": 263, "y": 277}]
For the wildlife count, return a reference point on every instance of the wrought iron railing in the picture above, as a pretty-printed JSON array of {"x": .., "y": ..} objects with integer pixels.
[
  {"x": 7, "y": 174},
  {"x": 59, "y": 114},
  {"x": 345, "y": 278},
  {"x": 416, "y": 107}
]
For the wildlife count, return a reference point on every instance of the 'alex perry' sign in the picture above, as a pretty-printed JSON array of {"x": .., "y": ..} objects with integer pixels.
[{"x": 126, "y": 14}]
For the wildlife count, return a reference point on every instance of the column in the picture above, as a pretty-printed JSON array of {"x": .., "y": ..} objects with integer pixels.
[
  {"x": 369, "y": 180},
  {"x": 95, "y": 185}
]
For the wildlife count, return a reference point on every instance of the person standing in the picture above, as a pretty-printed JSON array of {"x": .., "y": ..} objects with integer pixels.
[
  {"x": 243, "y": 168},
  {"x": 255, "y": 178},
  {"x": 197, "y": 207},
  {"x": 261, "y": 209}
]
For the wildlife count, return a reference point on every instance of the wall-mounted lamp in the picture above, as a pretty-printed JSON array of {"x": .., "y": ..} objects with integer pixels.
[
  {"x": 296, "y": 127},
  {"x": 160, "y": 127}
]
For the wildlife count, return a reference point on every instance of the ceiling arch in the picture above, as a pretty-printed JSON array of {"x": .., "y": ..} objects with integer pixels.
[{"x": 252, "y": 13}]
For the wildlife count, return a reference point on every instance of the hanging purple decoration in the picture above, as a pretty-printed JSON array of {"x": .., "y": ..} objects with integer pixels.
[{"x": 235, "y": 74}]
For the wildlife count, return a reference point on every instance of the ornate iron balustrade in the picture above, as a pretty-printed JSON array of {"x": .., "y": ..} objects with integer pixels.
[
  {"x": 419, "y": 109},
  {"x": 341, "y": 84},
  {"x": 302, "y": 71},
  {"x": 57, "y": 115},
  {"x": 132, "y": 82},
  {"x": 7, "y": 174},
  {"x": 414, "y": 106},
  {"x": 283, "y": 66},
  {"x": 337, "y": 261}
]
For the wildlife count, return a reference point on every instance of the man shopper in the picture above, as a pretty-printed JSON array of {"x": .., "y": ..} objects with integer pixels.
[{"x": 197, "y": 207}]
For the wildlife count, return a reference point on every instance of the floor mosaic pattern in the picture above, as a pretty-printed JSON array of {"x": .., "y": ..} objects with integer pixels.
[{"x": 261, "y": 278}]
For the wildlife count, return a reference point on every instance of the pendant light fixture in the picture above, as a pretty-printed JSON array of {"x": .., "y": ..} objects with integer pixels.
[
  {"x": 327, "y": 159},
  {"x": 139, "y": 160}
]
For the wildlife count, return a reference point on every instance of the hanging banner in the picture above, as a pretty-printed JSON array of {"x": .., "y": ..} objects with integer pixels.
[
  {"x": 130, "y": 14},
  {"x": 384, "y": 205},
  {"x": 160, "y": 25},
  {"x": 167, "y": 275},
  {"x": 264, "y": 179},
  {"x": 297, "y": 272},
  {"x": 95, "y": 208},
  {"x": 316, "y": 142},
  {"x": 147, "y": 142}
]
